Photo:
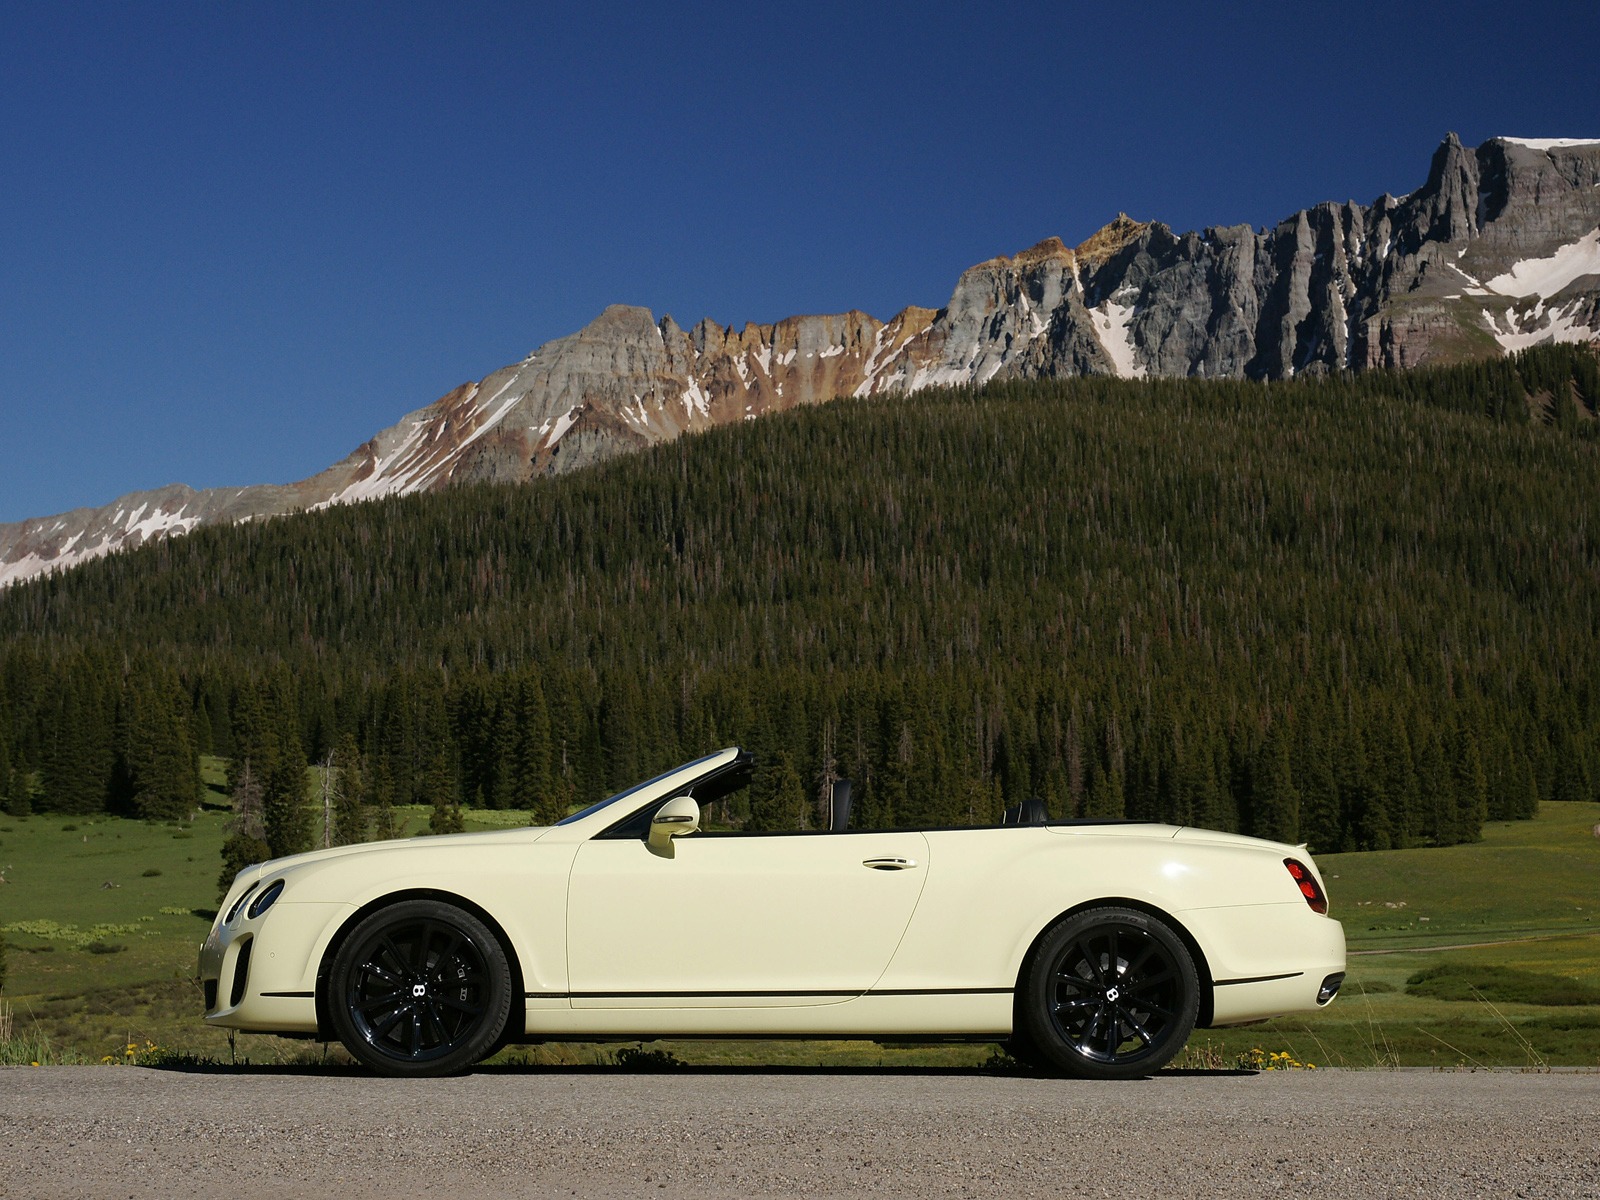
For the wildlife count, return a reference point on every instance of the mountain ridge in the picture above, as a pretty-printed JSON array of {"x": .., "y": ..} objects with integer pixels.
[{"x": 1498, "y": 250}]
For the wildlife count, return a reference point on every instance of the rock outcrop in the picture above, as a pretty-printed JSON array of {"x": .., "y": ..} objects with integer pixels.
[{"x": 1498, "y": 250}]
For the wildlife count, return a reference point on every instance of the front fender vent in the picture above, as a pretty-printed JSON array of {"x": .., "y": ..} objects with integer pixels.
[{"x": 241, "y": 973}]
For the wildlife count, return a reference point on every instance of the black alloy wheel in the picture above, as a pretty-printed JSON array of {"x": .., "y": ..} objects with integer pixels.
[
  {"x": 1110, "y": 993},
  {"x": 420, "y": 988}
]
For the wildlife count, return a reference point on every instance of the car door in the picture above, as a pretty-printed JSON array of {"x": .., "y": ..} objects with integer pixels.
[{"x": 729, "y": 920}]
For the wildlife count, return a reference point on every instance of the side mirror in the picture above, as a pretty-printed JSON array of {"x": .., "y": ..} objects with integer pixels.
[{"x": 676, "y": 817}]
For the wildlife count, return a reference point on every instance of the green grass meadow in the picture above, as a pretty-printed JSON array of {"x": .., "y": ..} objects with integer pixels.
[{"x": 103, "y": 918}]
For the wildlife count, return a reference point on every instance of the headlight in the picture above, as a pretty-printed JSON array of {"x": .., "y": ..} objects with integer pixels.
[
  {"x": 239, "y": 903},
  {"x": 266, "y": 899}
]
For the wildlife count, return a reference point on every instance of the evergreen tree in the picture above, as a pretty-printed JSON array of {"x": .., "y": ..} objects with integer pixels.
[
  {"x": 446, "y": 816},
  {"x": 385, "y": 821},
  {"x": 532, "y": 787},
  {"x": 250, "y": 734},
  {"x": 1393, "y": 776},
  {"x": 439, "y": 784},
  {"x": 286, "y": 812},
  {"x": 1436, "y": 787},
  {"x": 1275, "y": 803},
  {"x": 1319, "y": 791},
  {"x": 1469, "y": 785},
  {"x": 76, "y": 768},
  {"x": 779, "y": 801},
  {"x": 1104, "y": 798},
  {"x": 14, "y": 800},
  {"x": 245, "y": 841},
  {"x": 163, "y": 769},
  {"x": 350, "y": 810},
  {"x": 1363, "y": 805}
]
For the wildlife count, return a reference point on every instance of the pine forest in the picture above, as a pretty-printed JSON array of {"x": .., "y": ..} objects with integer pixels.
[{"x": 1356, "y": 611}]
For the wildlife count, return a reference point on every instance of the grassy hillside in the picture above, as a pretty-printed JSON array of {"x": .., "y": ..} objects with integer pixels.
[{"x": 93, "y": 967}]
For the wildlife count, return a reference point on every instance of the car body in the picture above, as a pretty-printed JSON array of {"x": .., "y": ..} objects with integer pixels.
[{"x": 1089, "y": 947}]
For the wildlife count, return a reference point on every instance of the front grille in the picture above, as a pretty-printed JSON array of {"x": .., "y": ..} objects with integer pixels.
[
  {"x": 241, "y": 972},
  {"x": 211, "y": 994}
]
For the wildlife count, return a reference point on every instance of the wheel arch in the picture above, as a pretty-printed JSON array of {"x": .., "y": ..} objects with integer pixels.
[
  {"x": 325, "y": 1031},
  {"x": 1202, "y": 967}
]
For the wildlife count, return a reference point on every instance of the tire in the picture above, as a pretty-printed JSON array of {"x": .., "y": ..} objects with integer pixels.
[
  {"x": 1028, "y": 1056},
  {"x": 420, "y": 988},
  {"x": 1110, "y": 993}
]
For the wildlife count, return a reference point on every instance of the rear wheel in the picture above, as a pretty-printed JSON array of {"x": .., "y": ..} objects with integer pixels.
[
  {"x": 1110, "y": 993},
  {"x": 420, "y": 988}
]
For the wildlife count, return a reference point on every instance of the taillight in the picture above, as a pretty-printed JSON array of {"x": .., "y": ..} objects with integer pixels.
[{"x": 1307, "y": 883}]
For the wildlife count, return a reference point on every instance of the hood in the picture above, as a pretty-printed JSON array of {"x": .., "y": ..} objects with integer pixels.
[{"x": 278, "y": 866}]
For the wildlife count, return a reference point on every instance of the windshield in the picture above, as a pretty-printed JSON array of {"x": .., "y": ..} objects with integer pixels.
[{"x": 623, "y": 795}]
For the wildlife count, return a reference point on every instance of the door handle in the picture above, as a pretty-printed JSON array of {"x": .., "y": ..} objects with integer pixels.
[{"x": 889, "y": 863}]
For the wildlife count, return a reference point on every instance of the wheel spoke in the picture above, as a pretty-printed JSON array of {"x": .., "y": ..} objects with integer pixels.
[
  {"x": 1136, "y": 1028},
  {"x": 420, "y": 950},
  {"x": 1113, "y": 1031},
  {"x": 387, "y": 946},
  {"x": 432, "y": 1012},
  {"x": 388, "y": 1000},
  {"x": 1144, "y": 955},
  {"x": 1149, "y": 980},
  {"x": 374, "y": 970},
  {"x": 471, "y": 1010},
  {"x": 1081, "y": 1002},
  {"x": 382, "y": 1028},
  {"x": 1092, "y": 959},
  {"x": 448, "y": 953}
]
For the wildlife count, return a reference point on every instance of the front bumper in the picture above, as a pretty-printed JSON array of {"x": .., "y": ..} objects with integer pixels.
[{"x": 260, "y": 973}]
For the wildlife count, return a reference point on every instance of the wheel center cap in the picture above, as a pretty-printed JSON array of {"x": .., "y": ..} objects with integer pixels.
[
  {"x": 419, "y": 990},
  {"x": 1112, "y": 994}
]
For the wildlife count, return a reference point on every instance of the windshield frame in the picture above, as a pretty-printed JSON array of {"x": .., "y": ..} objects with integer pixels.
[{"x": 685, "y": 768}]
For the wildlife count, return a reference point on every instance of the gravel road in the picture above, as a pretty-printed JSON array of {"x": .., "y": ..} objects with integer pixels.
[{"x": 129, "y": 1132}]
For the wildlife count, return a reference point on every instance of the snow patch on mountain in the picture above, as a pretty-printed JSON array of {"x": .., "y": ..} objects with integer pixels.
[
  {"x": 1516, "y": 331},
  {"x": 563, "y": 423},
  {"x": 1111, "y": 321},
  {"x": 1550, "y": 143},
  {"x": 1550, "y": 276}
]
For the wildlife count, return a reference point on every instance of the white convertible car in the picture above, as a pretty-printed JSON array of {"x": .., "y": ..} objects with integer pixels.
[{"x": 1089, "y": 948}]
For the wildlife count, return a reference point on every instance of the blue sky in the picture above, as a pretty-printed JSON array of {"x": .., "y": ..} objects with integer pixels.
[{"x": 237, "y": 239}]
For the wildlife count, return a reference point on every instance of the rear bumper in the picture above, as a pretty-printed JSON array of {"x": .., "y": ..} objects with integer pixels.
[
  {"x": 1267, "y": 960},
  {"x": 1239, "y": 1003}
]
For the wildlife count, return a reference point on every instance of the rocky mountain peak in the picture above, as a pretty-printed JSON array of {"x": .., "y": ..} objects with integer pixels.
[
  {"x": 1052, "y": 248},
  {"x": 1498, "y": 249},
  {"x": 1110, "y": 238}
]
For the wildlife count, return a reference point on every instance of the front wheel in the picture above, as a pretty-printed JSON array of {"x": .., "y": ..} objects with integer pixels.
[
  {"x": 1110, "y": 993},
  {"x": 420, "y": 988}
]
